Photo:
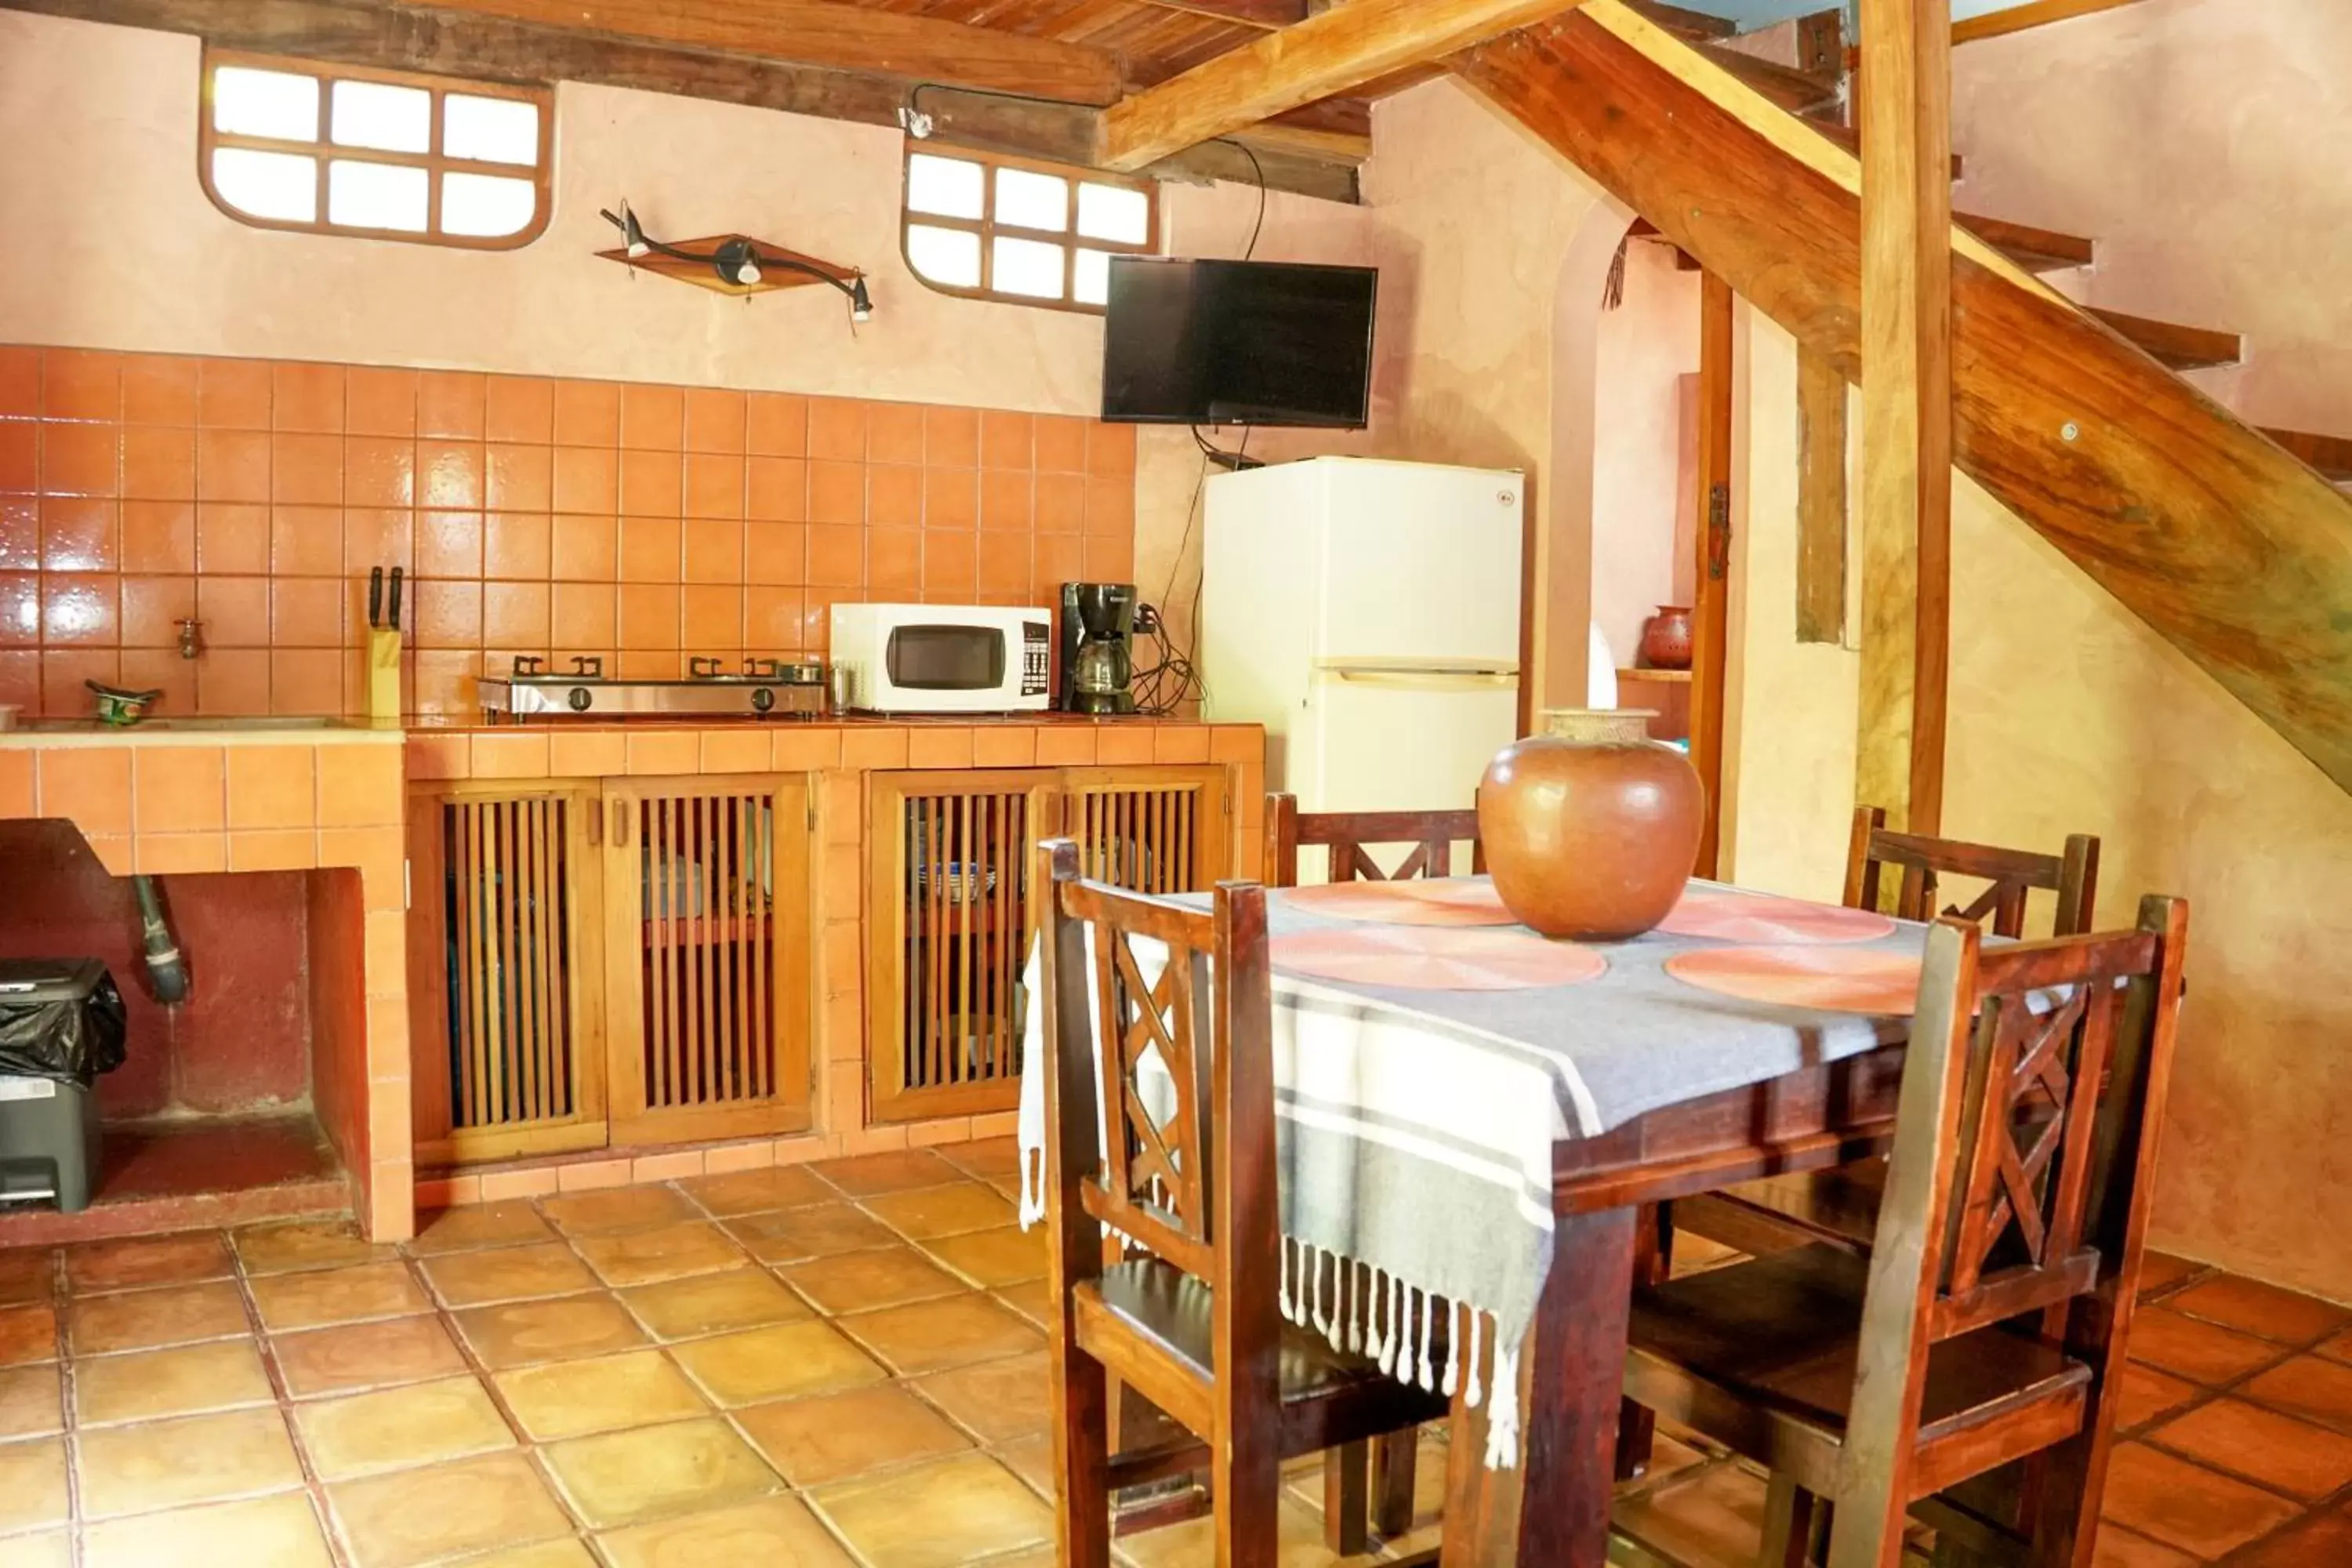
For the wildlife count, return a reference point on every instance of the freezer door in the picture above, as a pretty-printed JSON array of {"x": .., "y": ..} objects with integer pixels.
[
  {"x": 1401, "y": 735},
  {"x": 1420, "y": 562}
]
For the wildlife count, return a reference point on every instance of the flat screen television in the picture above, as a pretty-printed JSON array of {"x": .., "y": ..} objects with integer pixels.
[{"x": 1237, "y": 343}]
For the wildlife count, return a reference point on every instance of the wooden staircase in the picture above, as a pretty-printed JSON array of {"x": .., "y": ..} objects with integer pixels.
[{"x": 2231, "y": 542}]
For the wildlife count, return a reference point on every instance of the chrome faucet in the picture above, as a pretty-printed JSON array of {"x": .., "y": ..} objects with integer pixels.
[{"x": 191, "y": 638}]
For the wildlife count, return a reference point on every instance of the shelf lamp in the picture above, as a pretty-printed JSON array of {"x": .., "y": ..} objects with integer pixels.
[{"x": 736, "y": 263}]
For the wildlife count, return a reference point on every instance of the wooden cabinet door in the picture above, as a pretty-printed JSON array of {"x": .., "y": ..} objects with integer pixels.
[
  {"x": 708, "y": 937},
  {"x": 504, "y": 972},
  {"x": 948, "y": 925},
  {"x": 1158, "y": 830}
]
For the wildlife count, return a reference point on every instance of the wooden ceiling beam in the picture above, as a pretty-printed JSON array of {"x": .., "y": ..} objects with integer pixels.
[
  {"x": 1268, "y": 13},
  {"x": 487, "y": 49},
  {"x": 1328, "y": 53},
  {"x": 839, "y": 37}
]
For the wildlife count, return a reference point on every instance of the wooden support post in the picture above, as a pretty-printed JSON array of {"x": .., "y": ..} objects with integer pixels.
[
  {"x": 1820, "y": 498},
  {"x": 1907, "y": 403},
  {"x": 1711, "y": 611}
]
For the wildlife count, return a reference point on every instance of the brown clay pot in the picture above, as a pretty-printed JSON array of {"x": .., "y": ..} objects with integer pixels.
[
  {"x": 1666, "y": 638},
  {"x": 1591, "y": 829}
]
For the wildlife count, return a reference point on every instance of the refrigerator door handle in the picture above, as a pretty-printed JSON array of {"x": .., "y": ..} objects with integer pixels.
[{"x": 1427, "y": 677}]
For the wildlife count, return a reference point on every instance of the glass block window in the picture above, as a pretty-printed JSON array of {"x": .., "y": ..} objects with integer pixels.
[
  {"x": 1034, "y": 234},
  {"x": 384, "y": 154}
]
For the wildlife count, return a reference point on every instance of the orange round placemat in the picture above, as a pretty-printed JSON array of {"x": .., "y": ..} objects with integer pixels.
[
  {"x": 1823, "y": 979},
  {"x": 1762, "y": 918},
  {"x": 1444, "y": 901},
  {"x": 1430, "y": 958}
]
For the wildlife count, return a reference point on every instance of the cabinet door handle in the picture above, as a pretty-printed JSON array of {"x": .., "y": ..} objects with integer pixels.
[
  {"x": 595, "y": 823},
  {"x": 621, "y": 825}
]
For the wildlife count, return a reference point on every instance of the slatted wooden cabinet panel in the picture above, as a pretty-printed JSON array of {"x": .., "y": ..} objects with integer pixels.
[
  {"x": 506, "y": 971},
  {"x": 949, "y": 919},
  {"x": 708, "y": 931}
]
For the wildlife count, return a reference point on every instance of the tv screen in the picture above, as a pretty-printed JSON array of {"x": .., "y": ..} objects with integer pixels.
[{"x": 1237, "y": 343}]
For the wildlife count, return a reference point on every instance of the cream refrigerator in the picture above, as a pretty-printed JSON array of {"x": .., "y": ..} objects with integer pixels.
[{"x": 1367, "y": 613}]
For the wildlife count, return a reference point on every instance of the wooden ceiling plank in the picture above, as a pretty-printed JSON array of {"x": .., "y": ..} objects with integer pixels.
[
  {"x": 1266, "y": 13},
  {"x": 1326, "y": 54},
  {"x": 485, "y": 48},
  {"x": 842, "y": 37}
]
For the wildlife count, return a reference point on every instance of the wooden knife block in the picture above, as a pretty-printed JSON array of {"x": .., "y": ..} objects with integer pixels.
[{"x": 383, "y": 675}]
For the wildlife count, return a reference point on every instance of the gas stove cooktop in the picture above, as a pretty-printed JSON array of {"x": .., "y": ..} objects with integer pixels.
[{"x": 763, "y": 687}]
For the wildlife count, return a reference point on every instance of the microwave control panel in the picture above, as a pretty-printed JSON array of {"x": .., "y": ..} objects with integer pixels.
[{"x": 1036, "y": 658}]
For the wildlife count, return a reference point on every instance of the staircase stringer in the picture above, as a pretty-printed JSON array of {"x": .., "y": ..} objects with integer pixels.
[{"x": 2227, "y": 546}]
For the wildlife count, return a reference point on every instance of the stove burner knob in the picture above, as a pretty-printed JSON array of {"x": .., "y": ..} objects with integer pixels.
[
  {"x": 763, "y": 699},
  {"x": 580, "y": 699}
]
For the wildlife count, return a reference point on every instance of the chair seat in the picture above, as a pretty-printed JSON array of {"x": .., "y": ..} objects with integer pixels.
[
  {"x": 1329, "y": 1397},
  {"x": 1761, "y": 1355}
]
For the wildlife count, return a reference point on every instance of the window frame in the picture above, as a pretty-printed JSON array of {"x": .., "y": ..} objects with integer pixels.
[
  {"x": 1067, "y": 238},
  {"x": 433, "y": 161}
]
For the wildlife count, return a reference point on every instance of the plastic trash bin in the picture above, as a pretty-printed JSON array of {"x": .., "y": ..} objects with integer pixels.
[{"x": 61, "y": 1024}]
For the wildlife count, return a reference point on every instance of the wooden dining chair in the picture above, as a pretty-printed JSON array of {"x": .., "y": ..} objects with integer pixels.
[
  {"x": 1990, "y": 1321},
  {"x": 1345, "y": 835},
  {"x": 1841, "y": 1205},
  {"x": 1189, "y": 1317},
  {"x": 1347, "y": 838}
]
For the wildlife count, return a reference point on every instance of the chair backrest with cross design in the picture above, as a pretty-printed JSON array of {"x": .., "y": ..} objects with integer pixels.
[
  {"x": 1345, "y": 835},
  {"x": 2009, "y": 875}
]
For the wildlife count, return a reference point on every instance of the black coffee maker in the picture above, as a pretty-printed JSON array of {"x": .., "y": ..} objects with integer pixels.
[{"x": 1098, "y": 647}]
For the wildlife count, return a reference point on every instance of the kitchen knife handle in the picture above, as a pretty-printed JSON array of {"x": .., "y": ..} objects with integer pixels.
[
  {"x": 375, "y": 597},
  {"x": 391, "y": 620}
]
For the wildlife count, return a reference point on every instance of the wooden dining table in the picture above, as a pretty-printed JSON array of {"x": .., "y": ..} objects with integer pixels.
[{"x": 1443, "y": 1076}]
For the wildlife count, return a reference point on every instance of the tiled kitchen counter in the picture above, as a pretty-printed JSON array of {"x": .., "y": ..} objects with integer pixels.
[{"x": 168, "y": 802}]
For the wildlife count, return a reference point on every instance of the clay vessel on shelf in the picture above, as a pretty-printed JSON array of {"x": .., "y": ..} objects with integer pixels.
[
  {"x": 1591, "y": 829},
  {"x": 1666, "y": 638}
]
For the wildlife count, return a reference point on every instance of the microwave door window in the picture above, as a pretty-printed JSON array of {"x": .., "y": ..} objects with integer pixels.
[{"x": 947, "y": 659}]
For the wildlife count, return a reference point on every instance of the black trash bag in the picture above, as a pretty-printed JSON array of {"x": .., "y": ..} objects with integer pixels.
[{"x": 60, "y": 1018}]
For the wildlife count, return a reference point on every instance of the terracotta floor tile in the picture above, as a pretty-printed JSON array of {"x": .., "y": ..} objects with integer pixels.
[
  {"x": 365, "y": 1355},
  {"x": 753, "y": 1192},
  {"x": 2185, "y": 1505},
  {"x": 152, "y": 1385},
  {"x": 795, "y": 1236},
  {"x": 2121, "y": 1548},
  {"x": 415, "y": 1517},
  {"x": 576, "y": 1398},
  {"x": 860, "y": 1281},
  {"x": 925, "y": 1214},
  {"x": 1298, "y": 1535},
  {"x": 146, "y": 1261},
  {"x": 777, "y": 1530},
  {"x": 2339, "y": 1348},
  {"x": 2259, "y": 1309},
  {"x": 867, "y": 1175},
  {"x": 515, "y": 1224},
  {"x": 1032, "y": 1461},
  {"x": 839, "y": 1436},
  {"x": 29, "y": 1273},
  {"x": 507, "y": 1274},
  {"x": 569, "y": 1553},
  {"x": 2324, "y": 1538},
  {"x": 2200, "y": 1351},
  {"x": 985, "y": 1157},
  {"x": 143, "y": 1320},
  {"x": 330, "y": 1295},
  {"x": 169, "y": 1464},
  {"x": 656, "y": 1472},
  {"x": 991, "y": 1258},
  {"x": 2148, "y": 1394},
  {"x": 2281, "y": 1453},
  {"x": 50, "y": 1548},
  {"x": 1698, "y": 1255},
  {"x": 32, "y": 1403},
  {"x": 310, "y": 1244},
  {"x": 32, "y": 1484},
  {"x": 939, "y": 1515},
  {"x": 665, "y": 1252},
  {"x": 932, "y": 1336},
  {"x": 783, "y": 1361},
  {"x": 27, "y": 1334},
  {"x": 1715, "y": 1516},
  {"x": 2311, "y": 1387},
  {"x": 567, "y": 1328},
  {"x": 1032, "y": 1298},
  {"x": 611, "y": 1209},
  {"x": 399, "y": 1429},
  {"x": 714, "y": 1304},
  {"x": 281, "y": 1532},
  {"x": 2159, "y": 1272},
  {"x": 1002, "y": 1401}
]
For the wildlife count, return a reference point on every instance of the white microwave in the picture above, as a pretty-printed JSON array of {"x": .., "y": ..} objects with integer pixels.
[{"x": 942, "y": 659}]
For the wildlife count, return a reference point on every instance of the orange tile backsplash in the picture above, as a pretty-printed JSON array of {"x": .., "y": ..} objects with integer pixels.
[{"x": 646, "y": 523}]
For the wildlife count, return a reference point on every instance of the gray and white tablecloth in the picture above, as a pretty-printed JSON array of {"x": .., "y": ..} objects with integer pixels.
[{"x": 1417, "y": 1129}]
